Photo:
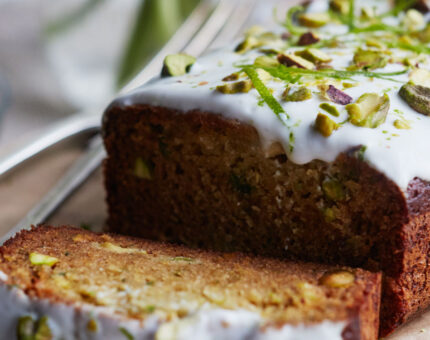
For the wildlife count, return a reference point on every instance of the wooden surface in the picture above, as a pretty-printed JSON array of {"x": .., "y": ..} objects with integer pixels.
[{"x": 21, "y": 190}]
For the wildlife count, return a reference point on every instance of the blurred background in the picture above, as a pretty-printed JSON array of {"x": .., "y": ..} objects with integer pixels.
[{"x": 57, "y": 57}]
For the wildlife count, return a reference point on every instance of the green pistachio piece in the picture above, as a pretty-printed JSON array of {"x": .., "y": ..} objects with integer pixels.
[
  {"x": 340, "y": 6},
  {"x": 92, "y": 326},
  {"x": 25, "y": 328},
  {"x": 177, "y": 65},
  {"x": 37, "y": 259},
  {"x": 297, "y": 95},
  {"x": 333, "y": 189},
  {"x": 295, "y": 60},
  {"x": 402, "y": 124},
  {"x": 370, "y": 110},
  {"x": 231, "y": 77},
  {"x": 349, "y": 85},
  {"x": 257, "y": 37},
  {"x": 367, "y": 12},
  {"x": 314, "y": 55},
  {"x": 324, "y": 125},
  {"x": 413, "y": 20},
  {"x": 337, "y": 279},
  {"x": 242, "y": 86},
  {"x": 424, "y": 35},
  {"x": 249, "y": 43},
  {"x": 330, "y": 109},
  {"x": 314, "y": 19},
  {"x": 43, "y": 332},
  {"x": 420, "y": 76},
  {"x": 370, "y": 42},
  {"x": 417, "y": 96},
  {"x": 265, "y": 61},
  {"x": 414, "y": 61},
  {"x": 369, "y": 60},
  {"x": 142, "y": 169}
]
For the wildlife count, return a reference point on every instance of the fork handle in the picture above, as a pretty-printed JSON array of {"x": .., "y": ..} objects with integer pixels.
[
  {"x": 76, "y": 124},
  {"x": 74, "y": 177}
]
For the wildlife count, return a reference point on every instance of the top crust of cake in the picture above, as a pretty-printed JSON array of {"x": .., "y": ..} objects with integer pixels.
[{"x": 359, "y": 66}]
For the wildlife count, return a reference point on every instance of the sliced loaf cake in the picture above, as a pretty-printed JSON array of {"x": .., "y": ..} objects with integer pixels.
[{"x": 68, "y": 283}]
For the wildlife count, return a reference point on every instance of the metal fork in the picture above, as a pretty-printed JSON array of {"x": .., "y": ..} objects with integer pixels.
[{"x": 225, "y": 23}]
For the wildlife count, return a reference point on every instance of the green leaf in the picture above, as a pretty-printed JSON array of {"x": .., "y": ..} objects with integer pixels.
[{"x": 264, "y": 91}]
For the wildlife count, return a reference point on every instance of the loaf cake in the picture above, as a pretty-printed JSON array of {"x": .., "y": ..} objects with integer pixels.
[
  {"x": 68, "y": 283},
  {"x": 307, "y": 142}
]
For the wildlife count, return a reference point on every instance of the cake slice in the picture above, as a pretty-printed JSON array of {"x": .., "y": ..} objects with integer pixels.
[
  {"x": 68, "y": 283},
  {"x": 310, "y": 143}
]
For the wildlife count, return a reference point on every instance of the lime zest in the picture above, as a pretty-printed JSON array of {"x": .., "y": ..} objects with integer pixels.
[
  {"x": 289, "y": 21},
  {"x": 284, "y": 73},
  {"x": 264, "y": 92},
  {"x": 351, "y": 17}
]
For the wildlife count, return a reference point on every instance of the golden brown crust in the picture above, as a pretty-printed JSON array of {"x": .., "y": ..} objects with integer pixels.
[
  {"x": 84, "y": 256},
  {"x": 198, "y": 156}
]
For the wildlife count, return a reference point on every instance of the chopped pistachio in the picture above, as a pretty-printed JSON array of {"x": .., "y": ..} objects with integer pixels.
[
  {"x": 294, "y": 60},
  {"x": 247, "y": 44},
  {"x": 369, "y": 60},
  {"x": 43, "y": 331},
  {"x": 314, "y": 19},
  {"x": 25, "y": 328},
  {"x": 314, "y": 55},
  {"x": 265, "y": 61},
  {"x": 424, "y": 35},
  {"x": 337, "y": 96},
  {"x": 297, "y": 95},
  {"x": 420, "y": 76},
  {"x": 120, "y": 250},
  {"x": 40, "y": 259},
  {"x": 349, "y": 85},
  {"x": 413, "y": 61},
  {"x": 371, "y": 42},
  {"x": 333, "y": 189},
  {"x": 308, "y": 38},
  {"x": 367, "y": 12},
  {"x": 370, "y": 110},
  {"x": 340, "y": 6},
  {"x": 402, "y": 124},
  {"x": 330, "y": 109},
  {"x": 142, "y": 169},
  {"x": 417, "y": 96},
  {"x": 413, "y": 20},
  {"x": 232, "y": 77},
  {"x": 257, "y": 37},
  {"x": 337, "y": 279},
  {"x": 177, "y": 65},
  {"x": 242, "y": 86},
  {"x": 92, "y": 325},
  {"x": 324, "y": 125}
]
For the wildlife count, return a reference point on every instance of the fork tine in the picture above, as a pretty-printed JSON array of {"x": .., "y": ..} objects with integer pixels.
[
  {"x": 83, "y": 121},
  {"x": 235, "y": 24},
  {"x": 90, "y": 160}
]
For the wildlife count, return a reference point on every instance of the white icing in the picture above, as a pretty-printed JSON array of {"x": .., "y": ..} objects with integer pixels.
[
  {"x": 69, "y": 322},
  {"x": 400, "y": 154}
]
